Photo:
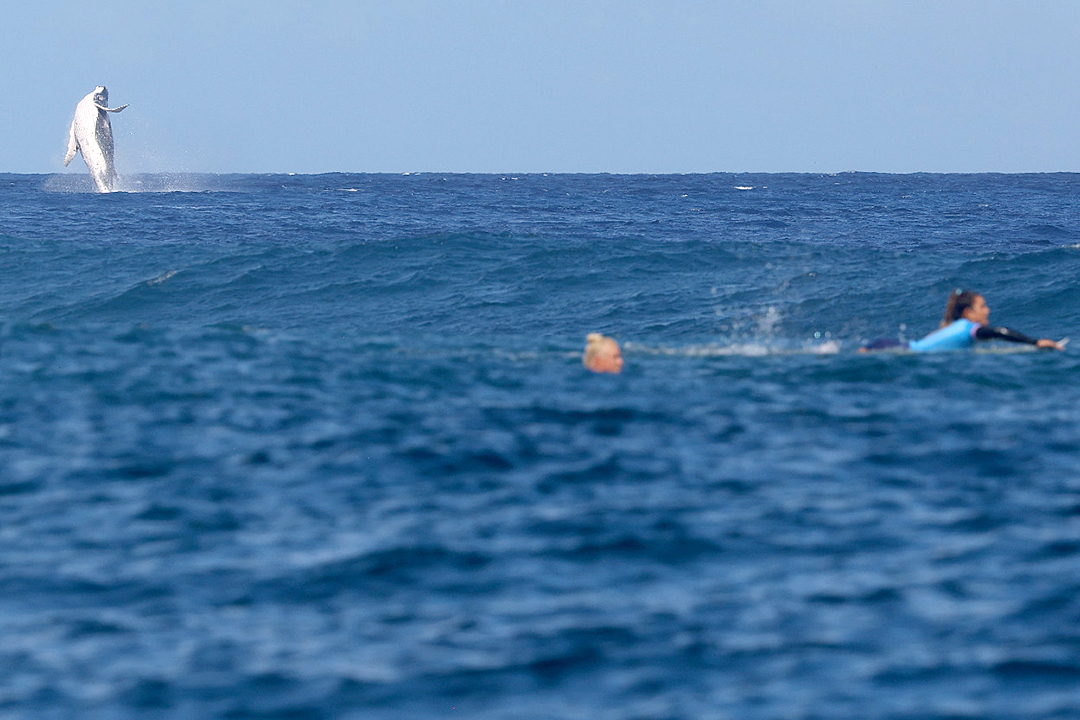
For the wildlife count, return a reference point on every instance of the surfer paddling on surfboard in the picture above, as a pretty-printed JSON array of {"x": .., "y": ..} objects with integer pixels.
[{"x": 964, "y": 324}]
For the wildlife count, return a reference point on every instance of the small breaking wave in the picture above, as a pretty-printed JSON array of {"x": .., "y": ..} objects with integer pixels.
[{"x": 747, "y": 349}]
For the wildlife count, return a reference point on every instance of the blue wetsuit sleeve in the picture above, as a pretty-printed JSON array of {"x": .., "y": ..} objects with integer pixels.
[{"x": 985, "y": 332}]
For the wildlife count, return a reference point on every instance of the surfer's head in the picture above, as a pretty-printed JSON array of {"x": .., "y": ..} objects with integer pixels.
[
  {"x": 966, "y": 304},
  {"x": 602, "y": 354}
]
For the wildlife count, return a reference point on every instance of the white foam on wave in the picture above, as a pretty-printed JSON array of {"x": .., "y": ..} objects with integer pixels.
[
  {"x": 161, "y": 278},
  {"x": 163, "y": 183},
  {"x": 152, "y": 183},
  {"x": 746, "y": 349},
  {"x": 69, "y": 183}
]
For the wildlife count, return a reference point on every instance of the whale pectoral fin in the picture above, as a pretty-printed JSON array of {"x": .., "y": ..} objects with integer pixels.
[
  {"x": 72, "y": 147},
  {"x": 107, "y": 109},
  {"x": 118, "y": 109}
]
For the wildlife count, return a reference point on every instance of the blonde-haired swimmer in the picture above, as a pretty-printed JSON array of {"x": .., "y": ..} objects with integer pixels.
[{"x": 602, "y": 354}]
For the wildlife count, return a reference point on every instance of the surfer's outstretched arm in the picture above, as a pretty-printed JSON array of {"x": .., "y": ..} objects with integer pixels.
[{"x": 985, "y": 332}]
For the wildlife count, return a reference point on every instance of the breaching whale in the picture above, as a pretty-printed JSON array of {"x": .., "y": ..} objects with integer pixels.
[{"x": 91, "y": 134}]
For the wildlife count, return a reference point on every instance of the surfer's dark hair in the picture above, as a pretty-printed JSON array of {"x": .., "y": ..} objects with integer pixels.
[{"x": 959, "y": 301}]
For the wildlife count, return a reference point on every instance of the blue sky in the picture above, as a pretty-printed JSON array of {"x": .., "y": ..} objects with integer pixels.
[{"x": 550, "y": 86}]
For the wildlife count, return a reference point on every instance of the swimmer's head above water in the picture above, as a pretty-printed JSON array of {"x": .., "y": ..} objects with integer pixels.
[
  {"x": 602, "y": 354},
  {"x": 966, "y": 304}
]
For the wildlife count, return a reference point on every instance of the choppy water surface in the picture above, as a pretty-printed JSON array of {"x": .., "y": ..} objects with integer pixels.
[{"x": 322, "y": 447}]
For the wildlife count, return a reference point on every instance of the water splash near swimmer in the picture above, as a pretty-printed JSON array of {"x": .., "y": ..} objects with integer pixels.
[
  {"x": 766, "y": 324},
  {"x": 758, "y": 335}
]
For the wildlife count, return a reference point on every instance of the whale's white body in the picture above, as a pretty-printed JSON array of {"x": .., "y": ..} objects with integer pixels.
[{"x": 91, "y": 134}]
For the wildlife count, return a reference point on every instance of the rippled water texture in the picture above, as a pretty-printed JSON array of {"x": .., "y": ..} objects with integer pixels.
[{"x": 323, "y": 447}]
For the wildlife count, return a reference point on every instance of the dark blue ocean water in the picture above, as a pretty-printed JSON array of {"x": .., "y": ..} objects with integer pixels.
[{"x": 322, "y": 447}]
